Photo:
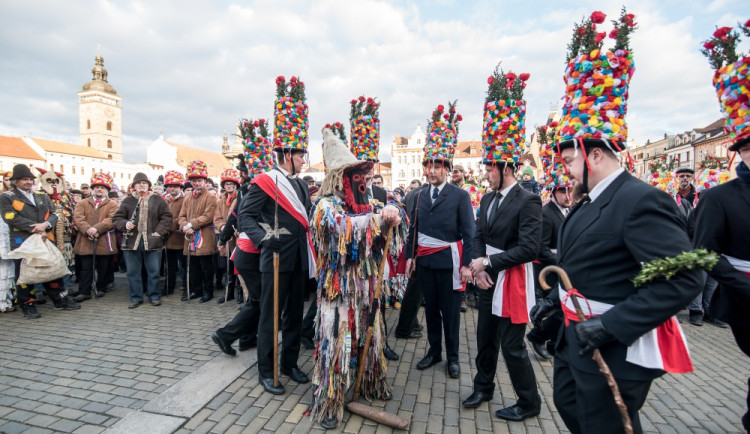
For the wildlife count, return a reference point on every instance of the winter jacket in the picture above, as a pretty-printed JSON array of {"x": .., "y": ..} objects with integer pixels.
[
  {"x": 220, "y": 219},
  {"x": 152, "y": 220},
  {"x": 86, "y": 216},
  {"x": 20, "y": 214},
  {"x": 199, "y": 210},
  {"x": 176, "y": 240}
]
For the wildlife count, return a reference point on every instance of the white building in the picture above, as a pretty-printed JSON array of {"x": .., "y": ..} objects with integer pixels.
[{"x": 406, "y": 158}]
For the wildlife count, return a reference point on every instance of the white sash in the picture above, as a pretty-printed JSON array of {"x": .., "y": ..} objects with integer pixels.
[
  {"x": 427, "y": 241},
  {"x": 498, "y": 297},
  {"x": 739, "y": 264}
]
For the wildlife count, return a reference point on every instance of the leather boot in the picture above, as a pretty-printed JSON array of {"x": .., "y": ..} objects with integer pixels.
[{"x": 29, "y": 311}]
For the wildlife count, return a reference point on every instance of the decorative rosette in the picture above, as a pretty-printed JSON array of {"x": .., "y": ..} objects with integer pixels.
[
  {"x": 103, "y": 179},
  {"x": 232, "y": 175},
  {"x": 442, "y": 134},
  {"x": 708, "y": 178},
  {"x": 174, "y": 177},
  {"x": 257, "y": 148},
  {"x": 197, "y": 169},
  {"x": 504, "y": 126},
  {"x": 597, "y": 83},
  {"x": 365, "y": 128},
  {"x": 731, "y": 80},
  {"x": 290, "y": 115},
  {"x": 664, "y": 181}
]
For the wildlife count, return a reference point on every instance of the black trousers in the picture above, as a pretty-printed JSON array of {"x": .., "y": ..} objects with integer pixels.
[
  {"x": 407, "y": 317},
  {"x": 494, "y": 334},
  {"x": 742, "y": 336},
  {"x": 586, "y": 404},
  {"x": 175, "y": 259},
  {"x": 202, "y": 275},
  {"x": 292, "y": 303},
  {"x": 103, "y": 265},
  {"x": 25, "y": 293},
  {"x": 442, "y": 310},
  {"x": 244, "y": 325}
]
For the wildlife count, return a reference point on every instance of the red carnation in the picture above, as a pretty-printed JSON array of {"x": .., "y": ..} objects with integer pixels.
[
  {"x": 581, "y": 30},
  {"x": 354, "y": 101},
  {"x": 338, "y": 124},
  {"x": 510, "y": 76},
  {"x": 362, "y": 99},
  {"x": 293, "y": 79},
  {"x": 245, "y": 124},
  {"x": 543, "y": 128},
  {"x": 553, "y": 124},
  {"x": 708, "y": 45},
  {"x": 301, "y": 84},
  {"x": 446, "y": 116},
  {"x": 523, "y": 85},
  {"x": 280, "y": 79},
  {"x": 369, "y": 101},
  {"x": 629, "y": 20},
  {"x": 262, "y": 121},
  {"x": 600, "y": 37},
  {"x": 747, "y": 23},
  {"x": 452, "y": 110},
  {"x": 490, "y": 80},
  {"x": 327, "y": 126},
  {"x": 613, "y": 34},
  {"x": 440, "y": 108},
  {"x": 459, "y": 118},
  {"x": 256, "y": 124},
  {"x": 722, "y": 32},
  {"x": 524, "y": 76},
  {"x": 598, "y": 17}
]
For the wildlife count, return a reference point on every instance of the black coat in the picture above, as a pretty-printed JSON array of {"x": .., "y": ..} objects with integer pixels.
[
  {"x": 722, "y": 226},
  {"x": 552, "y": 219},
  {"x": 20, "y": 214},
  {"x": 257, "y": 207},
  {"x": 602, "y": 245},
  {"x": 450, "y": 218},
  {"x": 514, "y": 227},
  {"x": 379, "y": 194}
]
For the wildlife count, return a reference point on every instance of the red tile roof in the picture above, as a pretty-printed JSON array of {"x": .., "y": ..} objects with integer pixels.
[
  {"x": 214, "y": 160},
  {"x": 16, "y": 147},
  {"x": 68, "y": 148}
]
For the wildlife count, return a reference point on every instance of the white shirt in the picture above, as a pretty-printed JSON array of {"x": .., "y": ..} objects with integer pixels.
[
  {"x": 438, "y": 188},
  {"x": 29, "y": 195},
  {"x": 284, "y": 172},
  {"x": 563, "y": 210},
  {"x": 604, "y": 183}
]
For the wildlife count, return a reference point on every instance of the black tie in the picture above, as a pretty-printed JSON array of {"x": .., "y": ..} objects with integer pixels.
[
  {"x": 495, "y": 204},
  {"x": 297, "y": 189},
  {"x": 434, "y": 194}
]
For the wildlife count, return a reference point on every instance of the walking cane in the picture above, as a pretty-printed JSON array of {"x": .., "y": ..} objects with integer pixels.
[
  {"x": 389, "y": 419},
  {"x": 597, "y": 355},
  {"x": 95, "y": 277},
  {"x": 166, "y": 271},
  {"x": 187, "y": 285}
]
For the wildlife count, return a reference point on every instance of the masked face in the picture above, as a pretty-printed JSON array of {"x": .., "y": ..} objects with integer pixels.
[
  {"x": 355, "y": 190},
  {"x": 51, "y": 183}
]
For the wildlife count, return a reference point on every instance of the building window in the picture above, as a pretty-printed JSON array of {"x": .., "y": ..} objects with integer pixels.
[
  {"x": 92, "y": 171},
  {"x": 109, "y": 156},
  {"x": 62, "y": 168},
  {"x": 109, "y": 144},
  {"x": 74, "y": 170},
  {"x": 419, "y": 141},
  {"x": 82, "y": 172},
  {"x": 89, "y": 140},
  {"x": 88, "y": 124},
  {"x": 52, "y": 167},
  {"x": 109, "y": 125}
]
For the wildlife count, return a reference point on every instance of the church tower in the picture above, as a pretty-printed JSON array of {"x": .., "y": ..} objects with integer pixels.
[{"x": 100, "y": 114}]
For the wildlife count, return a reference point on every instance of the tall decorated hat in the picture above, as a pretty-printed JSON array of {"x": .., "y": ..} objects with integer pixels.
[
  {"x": 662, "y": 174},
  {"x": 365, "y": 128},
  {"x": 257, "y": 148},
  {"x": 339, "y": 159},
  {"x": 103, "y": 179},
  {"x": 197, "y": 169},
  {"x": 290, "y": 116},
  {"x": 554, "y": 175},
  {"x": 731, "y": 81},
  {"x": 442, "y": 135},
  {"x": 174, "y": 177},
  {"x": 504, "y": 126},
  {"x": 596, "y": 84},
  {"x": 231, "y": 175},
  {"x": 711, "y": 172}
]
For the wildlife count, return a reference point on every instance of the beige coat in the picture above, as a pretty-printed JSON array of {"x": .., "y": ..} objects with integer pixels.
[
  {"x": 220, "y": 219},
  {"x": 199, "y": 211},
  {"x": 176, "y": 240},
  {"x": 86, "y": 216}
]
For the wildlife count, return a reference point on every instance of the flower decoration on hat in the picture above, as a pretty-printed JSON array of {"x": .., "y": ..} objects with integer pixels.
[
  {"x": 231, "y": 175},
  {"x": 290, "y": 115},
  {"x": 103, "y": 179},
  {"x": 197, "y": 169},
  {"x": 662, "y": 174},
  {"x": 707, "y": 178},
  {"x": 504, "y": 126},
  {"x": 365, "y": 128},
  {"x": 174, "y": 177},
  {"x": 731, "y": 81},
  {"x": 257, "y": 148},
  {"x": 339, "y": 130},
  {"x": 442, "y": 134},
  {"x": 554, "y": 174},
  {"x": 597, "y": 83}
]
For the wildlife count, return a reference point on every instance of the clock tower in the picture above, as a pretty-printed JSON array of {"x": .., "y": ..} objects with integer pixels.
[{"x": 100, "y": 114}]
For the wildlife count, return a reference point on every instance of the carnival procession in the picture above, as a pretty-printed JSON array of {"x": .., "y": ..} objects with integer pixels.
[{"x": 564, "y": 270}]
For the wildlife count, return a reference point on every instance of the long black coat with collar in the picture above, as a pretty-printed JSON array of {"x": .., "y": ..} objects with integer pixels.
[
  {"x": 722, "y": 226},
  {"x": 450, "y": 218},
  {"x": 514, "y": 227},
  {"x": 602, "y": 245},
  {"x": 20, "y": 214},
  {"x": 257, "y": 207}
]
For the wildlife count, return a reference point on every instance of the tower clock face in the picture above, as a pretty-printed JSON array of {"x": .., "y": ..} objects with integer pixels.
[{"x": 109, "y": 112}]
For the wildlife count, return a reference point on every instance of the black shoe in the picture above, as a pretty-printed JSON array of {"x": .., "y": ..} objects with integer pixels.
[
  {"x": 80, "y": 297},
  {"x": 66, "y": 304},
  {"x": 267, "y": 384},
  {"x": 29, "y": 311},
  {"x": 134, "y": 304},
  {"x": 205, "y": 298},
  {"x": 240, "y": 298},
  {"x": 550, "y": 345},
  {"x": 297, "y": 375},
  {"x": 476, "y": 398},
  {"x": 390, "y": 354},
  {"x": 515, "y": 413},
  {"x": 696, "y": 318},
  {"x": 411, "y": 335},
  {"x": 541, "y": 350},
  {"x": 718, "y": 323},
  {"x": 429, "y": 361},
  {"x": 246, "y": 346},
  {"x": 41, "y": 300},
  {"x": 73, "y": 293},
  {"x": 307, "y": 343},
  {"x": 220, "y": 300},
  {"x": 184, "y": 297},
  {"x": 453, "y": 369},
  {"x": 329, "y": 423},
  {"x": 463, "y": 306},
  {"x": 195, "y": 295},
  {"x": 156, "y": 302},
  {"x": 418, "y": 328},
  {"x": 223, "y": 346}
]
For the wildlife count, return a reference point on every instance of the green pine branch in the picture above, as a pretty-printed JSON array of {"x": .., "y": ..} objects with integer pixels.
[{"x": 666, "y": 268}]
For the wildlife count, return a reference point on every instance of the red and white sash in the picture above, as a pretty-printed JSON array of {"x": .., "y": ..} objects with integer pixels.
[
  {"x": 426, "y": 245},
  {"x": 664, "y": 347},
  {"x": 739, "y": 264},
  {"x": 514, "y": 291},
  {"x": 288, "y": 200}
]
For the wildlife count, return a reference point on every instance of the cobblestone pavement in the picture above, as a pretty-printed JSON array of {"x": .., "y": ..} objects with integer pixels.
[{"x": 85, "y": 371}]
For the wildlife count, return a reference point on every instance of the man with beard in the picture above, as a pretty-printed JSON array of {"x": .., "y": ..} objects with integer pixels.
[
  {"x": 86, "y": 191},
  {"x": 93, "y": 218},
  {"x": 173, "y": 181},
  {"x": 27, "y": 212}
]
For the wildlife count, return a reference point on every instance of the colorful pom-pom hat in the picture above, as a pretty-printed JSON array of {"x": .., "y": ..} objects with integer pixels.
[
  {"x": 230, "y": 175},
  {"x": 442, "y": 135},
  {"x": 197, "y": 169},
  {"x": 504, "y": 125},
  {"x": 103, "y": 179},
  {"x": 365, "y": 128},
  {"x": 174, "y": 177},
  {"x": 290, "y": 116},
  {"x": 257, "y": 148}
]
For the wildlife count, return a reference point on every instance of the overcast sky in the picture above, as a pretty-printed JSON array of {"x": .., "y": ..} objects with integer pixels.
[{"x": 191, "y": 69}]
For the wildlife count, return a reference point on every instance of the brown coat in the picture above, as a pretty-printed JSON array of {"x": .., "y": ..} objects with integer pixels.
[
  {"x": 199, "y": 211},
  {"x": 85, "y": 217},
  {"x": 151, "y": 228},
  {"x": 220, "y": 219},
  {"x": 176, "y": 240}
]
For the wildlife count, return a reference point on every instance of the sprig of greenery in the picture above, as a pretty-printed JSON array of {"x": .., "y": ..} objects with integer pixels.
[
  {"x": 250, "y": 129},
  {"x": 295, "y": 88},
  {"x": 666, "y": 268},
  {"x": 338, "y": 129},
  {"x": 505, "y": 86}
]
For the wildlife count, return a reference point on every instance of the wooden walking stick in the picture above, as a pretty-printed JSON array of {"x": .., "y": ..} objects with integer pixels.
[
  {"x": 596, "y": 355},
  {"x": 360, "y": 409},
  {"x": 94, "y": 275}
]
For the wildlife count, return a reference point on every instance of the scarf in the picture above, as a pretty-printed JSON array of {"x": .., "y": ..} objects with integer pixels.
[
  {"x": 169, "y": 198},
  {"x": 743, "y": 172},
  {"x": 230, "y": 198}
]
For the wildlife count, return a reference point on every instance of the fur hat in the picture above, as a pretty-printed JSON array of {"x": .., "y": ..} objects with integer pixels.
[
  {"x": 339, "y": 160},
  {"x": 21, "y": 171}
]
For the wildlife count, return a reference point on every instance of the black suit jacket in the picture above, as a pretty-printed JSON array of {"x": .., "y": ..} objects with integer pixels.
[
  {"x": 20, "y": 214},
  {"x": 257, "y": 207},
  {"x": 602, "y": 245},
  {"x": 514, "y": 227},
  {"x": 722, "y": 226},
  {"x": 552, "y": 219},
  {"x": 450, "y": 218}
]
